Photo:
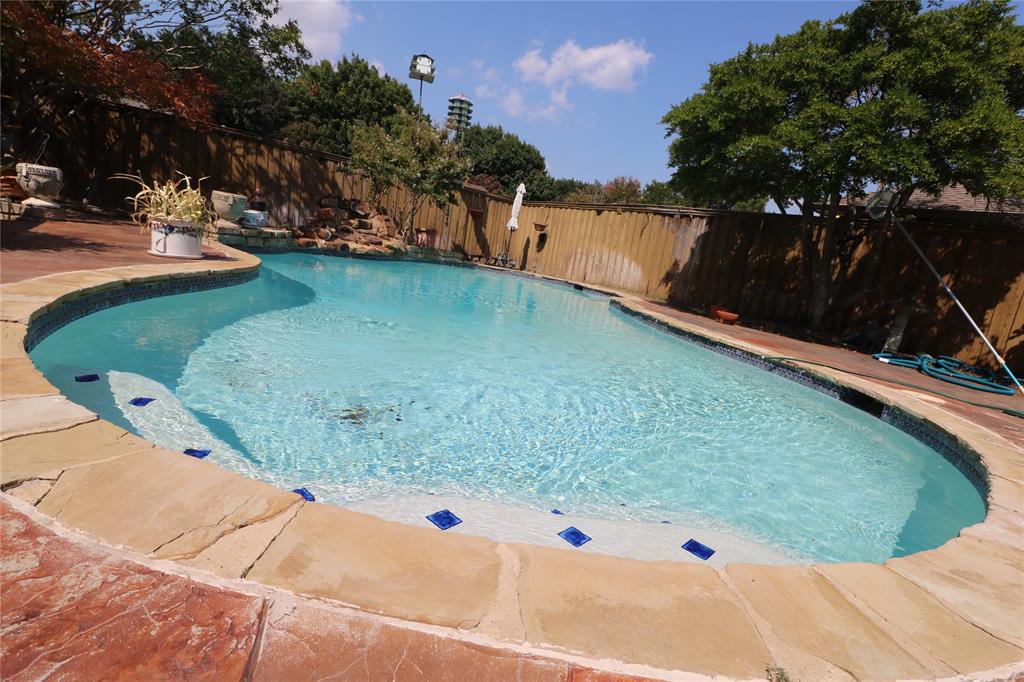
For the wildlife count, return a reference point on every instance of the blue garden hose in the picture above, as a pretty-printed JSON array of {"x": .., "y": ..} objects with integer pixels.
[{"x": 949, "y": 369}]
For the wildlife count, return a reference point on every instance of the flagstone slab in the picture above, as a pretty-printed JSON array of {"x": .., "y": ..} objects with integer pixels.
[
  {"x": 980, "y": 580},
  {"x": 1006, "y": 493},
  {"x": 12, "y": 340},
  {"x": 415, "y": 573},
  {"x": 914, "y": 613},
  {"x": 65, "y": 286},
  {"x": 814, "y": 633},
  {"x": 46, "y": 455},
  {"x": 21, "y": 379},
  {"x": 160, "y": 502},
  {"x": 22, "y": 309},
  {"x": 665, "y": 614},
  {"x": 30, "y": 491},
  {"x": 74, "y": 612},
  {"x": 232, "y": 555},
  {"x": 304, "y": 641},
  {"x": 1000, "y": 525},
  {"x": 40, "y": 414}
]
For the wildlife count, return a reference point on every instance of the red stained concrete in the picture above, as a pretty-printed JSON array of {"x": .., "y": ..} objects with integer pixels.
[
  {"x": 78, "y": 611},
  {"x": 73, "y": 612},
  {"x": 31, "y": 249}
]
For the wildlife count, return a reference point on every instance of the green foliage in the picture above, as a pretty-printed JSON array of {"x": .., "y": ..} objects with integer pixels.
[
  {"x": 415, "y": 155},
  {"x": 248, "y": 67},
  {"x": 493, "y": 152},
  {"x": 327, "y": 101},
  {"x": 885, "y": 94},
  {"x": 664, "y": 194},
  {"x": 547, "y": 188},
  {"x": 587, "y": 193}
]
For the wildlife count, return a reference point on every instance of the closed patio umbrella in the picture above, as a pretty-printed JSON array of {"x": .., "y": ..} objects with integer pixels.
[
  {"x": 517, "y": 206},
  {"x": 513, "y": 224}
]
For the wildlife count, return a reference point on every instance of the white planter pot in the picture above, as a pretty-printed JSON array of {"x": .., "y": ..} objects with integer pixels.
[{"x": 175, "y": 239}]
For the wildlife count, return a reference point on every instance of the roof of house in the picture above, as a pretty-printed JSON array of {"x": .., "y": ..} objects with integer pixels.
[{"x": 956, "y": 198}]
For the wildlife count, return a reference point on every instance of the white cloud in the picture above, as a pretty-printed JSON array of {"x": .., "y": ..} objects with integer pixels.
[
  {"x": 513, "y": 104},
  {"x": 323, "y": 22},
  {"x": 377, "y": 64},
  {"x": 613, "y": 67},
  {"x": 478, "y": 64},
  {"x": 485, "y": 91},
  {"x": 454, "y": 71},
  {"x": 531, "y": 66}
]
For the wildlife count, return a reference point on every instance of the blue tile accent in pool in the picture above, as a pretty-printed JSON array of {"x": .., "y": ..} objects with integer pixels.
[
  {"x": 86, "y": 378},
  {"x": 306, "y": 495},
  {"x": 444, "y": 519},
  {"x": 198, "y": 454},
  {"x": 698, "y": 549},
  {"x": 140, "y": 402},
  {"x": 574, "y": 536}
]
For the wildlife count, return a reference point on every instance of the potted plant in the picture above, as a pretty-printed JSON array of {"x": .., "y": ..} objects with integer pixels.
[{"x": 175, "y": 213}]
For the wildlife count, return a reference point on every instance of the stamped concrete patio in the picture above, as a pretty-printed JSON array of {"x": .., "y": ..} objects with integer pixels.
[{"x": 124, "y": 560}]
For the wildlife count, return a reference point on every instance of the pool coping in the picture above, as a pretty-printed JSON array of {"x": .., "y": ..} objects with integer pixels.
[{"x": 811, "y": 620}]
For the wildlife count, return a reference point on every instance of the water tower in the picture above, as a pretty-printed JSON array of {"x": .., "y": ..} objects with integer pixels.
[{"x": 460, "y": 112}]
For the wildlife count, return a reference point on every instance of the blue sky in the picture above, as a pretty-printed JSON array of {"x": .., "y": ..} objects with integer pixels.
[{"x": 586, "y": 82}]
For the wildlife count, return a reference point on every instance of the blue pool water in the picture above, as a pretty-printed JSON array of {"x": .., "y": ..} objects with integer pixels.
[{"x": 364, "y": 379}]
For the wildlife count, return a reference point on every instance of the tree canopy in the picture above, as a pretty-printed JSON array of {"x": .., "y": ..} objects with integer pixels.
[
  {"x": 60, "y": 54},
  {"x": 493, "y": 152},
  {"x": 410, "y": 153},
  {"x": 326, "y": 101},
  {"x": 886, "y": 94}
]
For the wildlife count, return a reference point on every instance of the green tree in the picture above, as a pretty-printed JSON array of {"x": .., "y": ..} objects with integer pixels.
[
  {"x": 414, "y": 155},
  {"x": 664, "y": 194},
  {"x": 885, "y": 94},
  {"x": 546, "y": 188},
  {"x": 492, "y": 151},
  {"x": 587, "y": 193},
  {"x": 249, "y": 69},
  {"x": 57, "y": 56},
  {"x": 327, "y": 100}
]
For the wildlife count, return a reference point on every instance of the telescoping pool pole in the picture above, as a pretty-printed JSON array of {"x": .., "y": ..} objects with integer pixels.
[{"x": 883, "y": 197}]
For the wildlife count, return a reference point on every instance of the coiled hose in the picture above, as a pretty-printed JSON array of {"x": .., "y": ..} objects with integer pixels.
[
  {"x": 951, "y": 370},
  {"x": 907, "y": 384}
]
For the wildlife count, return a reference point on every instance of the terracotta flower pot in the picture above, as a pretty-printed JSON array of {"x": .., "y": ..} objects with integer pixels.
[{"x": 724, "y": 316}]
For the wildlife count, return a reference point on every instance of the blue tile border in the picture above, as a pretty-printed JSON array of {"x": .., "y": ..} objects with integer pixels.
[
  {"x": 55, "y": 318},
  {"x": 963, "y": 458}
]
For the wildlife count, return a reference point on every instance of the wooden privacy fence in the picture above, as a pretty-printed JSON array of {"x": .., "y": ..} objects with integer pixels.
[{"x": 692, "y": 258}]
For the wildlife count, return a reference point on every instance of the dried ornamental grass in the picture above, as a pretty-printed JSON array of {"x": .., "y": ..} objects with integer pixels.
[{"x": 170, "y": 201}]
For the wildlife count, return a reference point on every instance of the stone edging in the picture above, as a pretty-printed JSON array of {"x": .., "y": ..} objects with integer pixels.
[{"x": 954, "y": 609}]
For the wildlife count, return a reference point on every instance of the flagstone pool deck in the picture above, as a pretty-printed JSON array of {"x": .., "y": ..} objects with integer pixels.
[{"x": 120, "y": 559}]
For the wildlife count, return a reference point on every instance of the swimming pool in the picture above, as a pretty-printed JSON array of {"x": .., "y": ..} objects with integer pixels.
[{"x": 369, "y": 382}]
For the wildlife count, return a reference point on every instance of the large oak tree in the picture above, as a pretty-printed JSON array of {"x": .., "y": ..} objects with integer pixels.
[{"x": 886, "y": 94}]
